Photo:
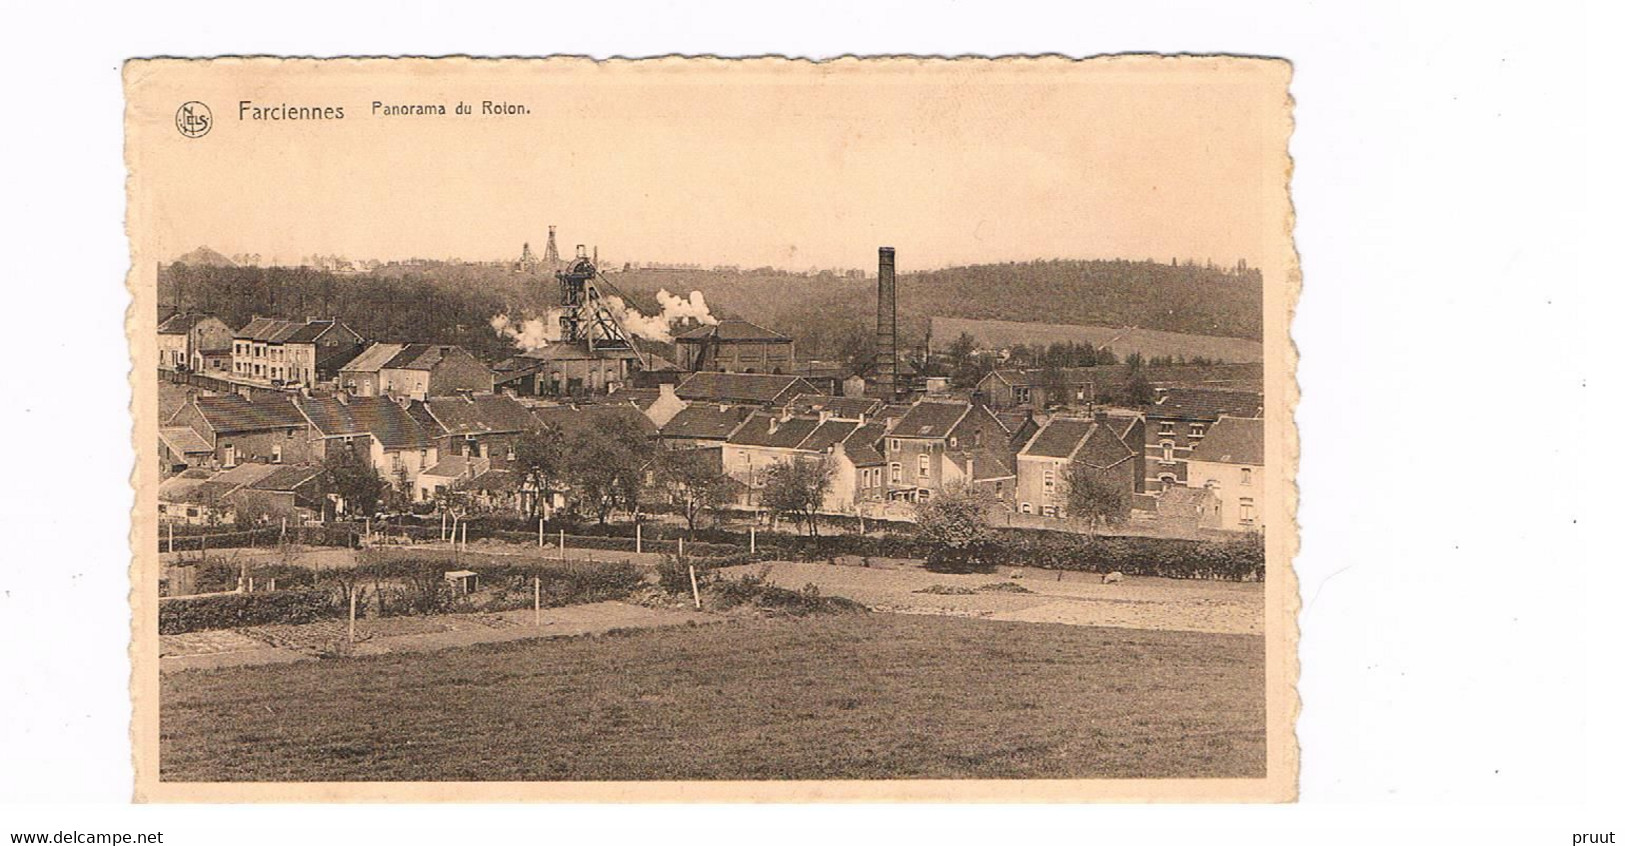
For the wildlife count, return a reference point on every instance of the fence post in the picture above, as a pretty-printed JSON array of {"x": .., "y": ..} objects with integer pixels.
[
  {"x": 694, "y": 582},
  {"x": 465, "y": 535},
  {"x": 354, "y": 589},
  {"x": 561, "y": 544},
  {"x": 171, "y": 537},
  {"x": 752, "y": 540},
  {"x": 541, "y": 532},
  {"x": 538, "y": 588},
  {"x": 640, "y": 538},
  {"x": 442, "y": 527},
  {"x": 679, "y": 549}
]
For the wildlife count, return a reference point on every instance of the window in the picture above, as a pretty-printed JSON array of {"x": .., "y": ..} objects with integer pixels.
[
  {"x": 953, "y": 442},
  {"x": 893, "y": 445},
  {"x": 896, "y": 473},
  {"x": 1246, "y": 475},
  {"x": 925, "y": 466},
  {"x": 1166, "y": 428},
  {"x": 1049, "y": 511},
  {"x": 1198, "y": 430},
  {"x": 276, "y": 453},
  {"x": 1049, "y": 481},
  {"x": 1026, "y": 508},
  {"x": 191, "y": 512},
  {"x": 1023, "y": 395},
  {"x": 998, "y": 490},
  {"x": 1167, "y": 450},
  {"x": 1249, "y": 514},
  {"x": 1168, "y": 480}
]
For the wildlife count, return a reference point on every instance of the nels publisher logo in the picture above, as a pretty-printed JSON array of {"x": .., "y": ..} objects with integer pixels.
[{"x": 194, "y": 119}]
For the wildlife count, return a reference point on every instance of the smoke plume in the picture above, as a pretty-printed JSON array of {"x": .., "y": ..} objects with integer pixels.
[{"x": 534, "y": 333}]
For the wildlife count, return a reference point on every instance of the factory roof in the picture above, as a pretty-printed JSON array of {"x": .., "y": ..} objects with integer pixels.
[{"x": 732, "y": 330}]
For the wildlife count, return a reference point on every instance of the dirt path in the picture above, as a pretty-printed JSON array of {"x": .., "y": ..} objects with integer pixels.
[
  {"x": 378, "y": 636},
  {"x": 1036, "y": 596}
]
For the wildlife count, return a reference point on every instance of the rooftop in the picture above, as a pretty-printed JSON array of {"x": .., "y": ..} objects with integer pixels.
[
  {"x": 232, "y": 413},
  {"x": 742, "y": 387},
  {"x": 1200, "y": 404},
  {"x": 480, "y": 414},
  {"x": 732, "y": 330},
  {"x": 1233, "y": 440},
  {"x": 380, "y": 417},
  {"x": 703, "y": 421},
  {"x": 848, "y": 407},
  {"x": 373, "y": 358},
  {"x": 928, "y": 419},
  {"x": 769, "y": 430}
]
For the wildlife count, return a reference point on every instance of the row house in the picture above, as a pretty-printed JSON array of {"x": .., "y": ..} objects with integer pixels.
[
  {"x": 378, "y": 429},
  {"x": 1065, "y": 446},
  {"x": 290, "y": 352},
  {"x": 938, "y": 445},
  {"x": 1229, "y": 464},
  {"x": 184, "y": 338},
  {"x": 767, "y": 439},
  {"x": 415, "y": 371},
  {"x": 476, "y": 426},
  {"x": 268, "y": 429},
  {"x": 1178, "y": 420}
]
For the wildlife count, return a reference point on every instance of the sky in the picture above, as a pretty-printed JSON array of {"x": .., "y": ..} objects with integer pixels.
[{"x": 785, "y": 163}]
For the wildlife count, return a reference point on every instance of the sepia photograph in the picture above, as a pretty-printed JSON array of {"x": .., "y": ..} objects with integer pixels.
[{"x": 694, "y": 429}]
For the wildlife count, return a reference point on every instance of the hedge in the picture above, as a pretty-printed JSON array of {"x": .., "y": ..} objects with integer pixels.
[{"x": 232, "y": 610}]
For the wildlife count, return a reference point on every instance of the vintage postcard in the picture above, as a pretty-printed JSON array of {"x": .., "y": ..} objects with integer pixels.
[{"x": 713, "y": 430}]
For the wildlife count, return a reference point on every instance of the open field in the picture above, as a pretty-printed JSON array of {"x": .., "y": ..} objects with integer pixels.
[
  {"x": 1148, "y": 342},
  {"x": 1040, "y": 596},
  {"x": 841, "y": 696}
]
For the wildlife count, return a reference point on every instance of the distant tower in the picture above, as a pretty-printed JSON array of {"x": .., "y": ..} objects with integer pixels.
[
  {"x": 551, "y": 255},
  {"x": 527, "y": 260},
  {"x": 886, "y": 328}
]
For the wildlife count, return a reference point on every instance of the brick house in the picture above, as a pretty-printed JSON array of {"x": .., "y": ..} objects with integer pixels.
[
  {"x": 476, "y": 426},
  {"x": 287, "y": 351},
  {"x": 378, "y": 429},
  {"x": 421, "y": 371},
  {"x": 362, "y": 374},
  {"x": 269, "y": 429},
  {"x": 938, "y": 444},
  {"x": 1069, "y": 445},
  {"x": 1179, "y": 420}
]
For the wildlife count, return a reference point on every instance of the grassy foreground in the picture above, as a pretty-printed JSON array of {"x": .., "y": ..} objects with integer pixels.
[{"x": 851, "y": 696}]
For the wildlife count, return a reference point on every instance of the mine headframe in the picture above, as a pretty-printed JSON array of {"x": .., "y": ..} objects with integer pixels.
[{"x": 587, "y": 319}]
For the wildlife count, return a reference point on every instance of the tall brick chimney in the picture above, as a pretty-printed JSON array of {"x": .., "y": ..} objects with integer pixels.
[{"x": 886, "y": 328}]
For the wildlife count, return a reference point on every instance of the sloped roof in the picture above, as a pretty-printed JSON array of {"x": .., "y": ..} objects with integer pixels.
[
  {"x": 232, "y": 413},
  {"x": 1120, "y": 421},
  {"x": 559, "y": 351},
  {"x": 309, "y": 331},
  {"x": 287, "y": 478},
  {"x": 860, "y": 445},
  {"x": 380, "y": 417},
  {"x": 183, "y": 322},
  {"x": 179, "y": 488},
  {"x": 227, "y": 481},
  {"x": 482, "y": 414},
  {"x": 373, "y": 358},
  {"x": 707, "y": 422},
  {"x": 183, "y": 440},
  {"x": 1233, "y": 440},
  {"x": 988, "y": 465},
  {"x": 420, "y": 356},
  {"x": 1029, "y": 376},
  {"x": 928, "y": 419},
  {"x": 828, "y": 434},
  {"x": 732, "y": 329},
  {"x": 568, "y": 419},
  {"x": 265, "y": 329},
  {"x": 768, "y": 430},
  {"x": 848, "y": 407},
  {"x": 456, "y": 466},
  {"x": 742, "y": 387},
  {"x": 1060, "y": 437},
  {"x": 1200, "y": 404}
]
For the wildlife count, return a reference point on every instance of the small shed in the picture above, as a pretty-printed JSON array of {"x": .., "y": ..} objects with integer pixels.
[{"x": 464, "y": 582}]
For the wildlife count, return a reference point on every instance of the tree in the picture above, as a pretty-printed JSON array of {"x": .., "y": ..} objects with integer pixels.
[
  {"x": 796, "y": 489},
  {"x": 606, "y": 464},
  {"x": 954, "y": 526},
  {"x": 694, "y": 482},
  {"x": 1138, "y": 390},
  {"x": 539, "y": 462},
  {"x": 1092, "y": 500},
  {"x": 962, "y": 361},
  {"x": 353, "y": 479}
]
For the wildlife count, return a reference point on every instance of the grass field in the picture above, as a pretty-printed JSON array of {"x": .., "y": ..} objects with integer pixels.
[{"x": 835, "y": 697}]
